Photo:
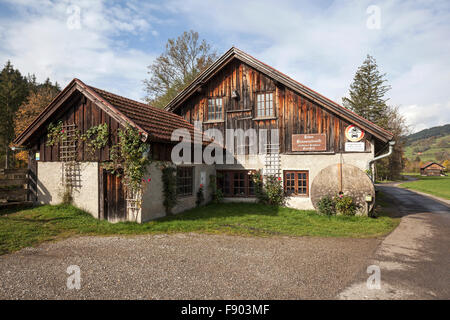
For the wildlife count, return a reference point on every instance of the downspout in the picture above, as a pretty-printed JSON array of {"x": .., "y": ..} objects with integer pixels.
[{"x": 369, "y": 163}]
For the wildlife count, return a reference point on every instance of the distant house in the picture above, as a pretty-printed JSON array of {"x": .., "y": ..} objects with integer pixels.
[{"x": 432, "y": 169}]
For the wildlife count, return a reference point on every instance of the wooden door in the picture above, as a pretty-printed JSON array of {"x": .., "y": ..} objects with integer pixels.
[{"x": 112, "y": 197}]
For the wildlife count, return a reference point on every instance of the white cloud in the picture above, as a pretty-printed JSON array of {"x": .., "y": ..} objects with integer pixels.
[
  {"x": 41, "y": 42},
  {"x": 322, "y": 46}
]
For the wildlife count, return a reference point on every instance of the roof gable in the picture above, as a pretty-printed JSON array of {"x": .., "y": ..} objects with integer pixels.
[
  {"x": 426, "y": 165},
  {"x": 152, "y": 122},
  {"x": 281, "y": 78}
]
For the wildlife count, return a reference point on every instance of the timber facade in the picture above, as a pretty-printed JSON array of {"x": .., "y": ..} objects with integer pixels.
[
  {"x": 315, "y": 135},
  {"x": 290, "y": 112},
  {"x": 320, "y": 148}
]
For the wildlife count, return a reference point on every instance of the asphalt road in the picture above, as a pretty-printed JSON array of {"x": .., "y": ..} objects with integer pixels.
[{"x": 414, "y": 260}]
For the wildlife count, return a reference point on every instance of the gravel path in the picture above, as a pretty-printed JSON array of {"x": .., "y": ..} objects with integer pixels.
[{"x": 186, "y": 266}]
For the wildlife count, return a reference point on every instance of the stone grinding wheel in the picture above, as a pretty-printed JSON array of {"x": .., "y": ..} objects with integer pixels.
[{"x": 355, "y": 183}]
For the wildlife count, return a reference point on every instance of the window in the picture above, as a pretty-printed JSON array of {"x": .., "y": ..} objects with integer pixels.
[
  {"x": 185, "y": 181},
  {"x": 296, "y": 183},
  {"x": 236, "y": 183},
  {"x": 264, "y": 105},
  {"x": 215, "y": 109}
]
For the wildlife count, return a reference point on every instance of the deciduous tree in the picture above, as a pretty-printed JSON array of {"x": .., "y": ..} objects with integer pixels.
[{"x": 183, "y": 59}]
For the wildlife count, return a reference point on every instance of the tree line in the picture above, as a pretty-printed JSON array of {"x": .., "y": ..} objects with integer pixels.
[
  {"x": 22, "y": 98},
  {"x": 433, "y": 132}
]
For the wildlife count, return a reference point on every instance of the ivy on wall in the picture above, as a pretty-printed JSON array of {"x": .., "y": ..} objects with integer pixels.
[
  {"x": 200, "y": 196},
  {"x": 55, "y": 134},
  {"x": 129, "y": 157},
  {"x": 96, "y": 137},
  {"x": 169, "y": 179}
]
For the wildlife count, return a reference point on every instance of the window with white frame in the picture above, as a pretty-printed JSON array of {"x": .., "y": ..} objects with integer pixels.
[
  {"x": 264, "y": 104},
  {"x": 215, "y": 109}
]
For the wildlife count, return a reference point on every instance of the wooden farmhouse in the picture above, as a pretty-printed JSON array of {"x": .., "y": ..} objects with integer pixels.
[
  {"x": 313, "y": 145},
  {"x": 432, "y": 169}
]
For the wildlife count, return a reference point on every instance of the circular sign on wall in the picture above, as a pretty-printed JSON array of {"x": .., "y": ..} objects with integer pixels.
[{"x": 353, "y": 133}]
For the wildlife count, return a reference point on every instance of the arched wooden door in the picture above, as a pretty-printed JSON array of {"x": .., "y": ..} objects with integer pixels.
[{"x": 112, "y": 197}]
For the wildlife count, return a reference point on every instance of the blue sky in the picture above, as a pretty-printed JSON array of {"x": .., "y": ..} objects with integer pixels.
[{"x": 319, "y": 43}]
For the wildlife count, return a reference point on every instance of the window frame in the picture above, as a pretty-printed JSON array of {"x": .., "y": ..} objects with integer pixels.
[
  {"x": 189, "y": 185},
  {"x": 296, "y": 183},
  {"x": 266, "y": 104},
  {"x": 228, "y": 176},
  {"x": 215, "y": 112}
]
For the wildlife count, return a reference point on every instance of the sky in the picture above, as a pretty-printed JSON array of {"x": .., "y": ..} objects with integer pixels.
[{"x": 109, "y": 44}]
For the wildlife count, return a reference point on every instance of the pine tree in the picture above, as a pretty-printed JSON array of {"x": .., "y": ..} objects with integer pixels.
[
  {"x": 367, "y": 98},
  {"x": 13, "y": 91},
  {"x": 367, "y": 93}
]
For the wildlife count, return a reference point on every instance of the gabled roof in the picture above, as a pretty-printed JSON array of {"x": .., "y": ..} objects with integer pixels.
[
  {"x": 154, "y": 123},
  {"x": 426, "y": 165},
  {"x": 278, "y": 76}
]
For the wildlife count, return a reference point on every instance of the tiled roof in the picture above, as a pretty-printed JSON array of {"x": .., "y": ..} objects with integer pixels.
[
  {"x": 429, "y": 164},
  {"x": 155, "y": 124},
  {"x": 158, "y": 123}
]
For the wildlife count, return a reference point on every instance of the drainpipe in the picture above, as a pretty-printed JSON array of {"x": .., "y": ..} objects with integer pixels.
[{"x": 369, "y": 163}]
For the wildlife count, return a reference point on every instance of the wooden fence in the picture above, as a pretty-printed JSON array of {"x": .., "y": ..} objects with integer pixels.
[{"x": 14, "y": 185}]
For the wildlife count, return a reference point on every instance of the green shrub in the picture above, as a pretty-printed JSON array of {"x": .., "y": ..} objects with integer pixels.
[
  {"x": 345, "y": 205},
  {"x": 273, "y": 188},
  {"x": 66, "y": 196},
  {"x": 259, "y": 187},
  {"x": 326, "y": 206}
]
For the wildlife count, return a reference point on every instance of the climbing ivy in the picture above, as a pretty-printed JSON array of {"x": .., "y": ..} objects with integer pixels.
[
  {"x": 130, "y": 155},
  {"x": 169, "y": 179},
  {"x": 200, "y": 196},
  {"x": 55, "y": 134},
  {"x": 96, "y": 137}
]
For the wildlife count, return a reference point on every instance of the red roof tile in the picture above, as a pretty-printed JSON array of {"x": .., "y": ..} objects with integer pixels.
[{"x": 158, "y": 123}]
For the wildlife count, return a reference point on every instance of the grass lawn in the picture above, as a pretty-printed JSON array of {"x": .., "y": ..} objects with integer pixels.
[
  {"x": 21, "y": 228},
  {"x": 437, "y": 186}
]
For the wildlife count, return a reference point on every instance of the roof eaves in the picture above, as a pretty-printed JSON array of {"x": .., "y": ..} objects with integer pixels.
[
  {"x": 113, "y": 111},
  {"x": 21, "y": 138}
]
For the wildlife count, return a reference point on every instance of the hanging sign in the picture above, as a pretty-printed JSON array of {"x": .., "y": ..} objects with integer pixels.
[
  {"x": 353, "y": 133},
  {"x": 309, "y": 142},
  {"x": 37, "y": 156}
]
